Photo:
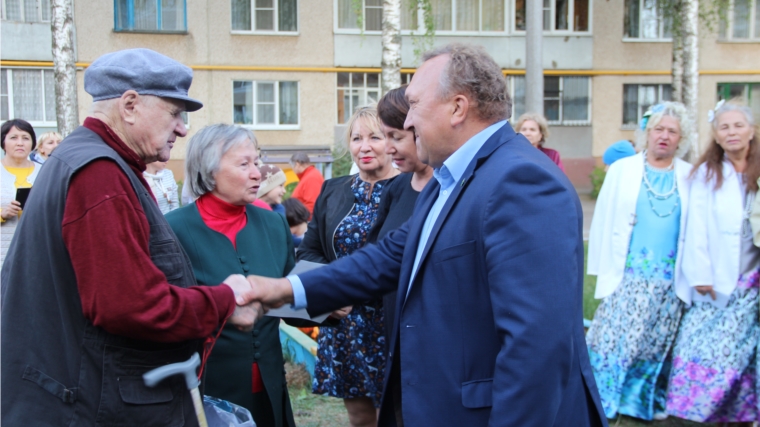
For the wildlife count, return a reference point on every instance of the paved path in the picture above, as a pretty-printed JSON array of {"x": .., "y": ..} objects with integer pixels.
[{"x": 588, "y": 204}]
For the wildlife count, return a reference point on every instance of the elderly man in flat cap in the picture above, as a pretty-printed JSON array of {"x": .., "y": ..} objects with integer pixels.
[{"x": 114, "y": 295}]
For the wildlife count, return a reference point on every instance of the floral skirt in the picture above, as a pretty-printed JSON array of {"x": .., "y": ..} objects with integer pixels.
[
  {"x": 351, "y": 356},
  {"x": 715, "y": 359},
  {"x": 629, "y": 341}
]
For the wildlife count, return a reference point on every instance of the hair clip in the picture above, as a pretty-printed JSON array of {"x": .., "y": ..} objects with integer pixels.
[{"x": 711, "y": 113}]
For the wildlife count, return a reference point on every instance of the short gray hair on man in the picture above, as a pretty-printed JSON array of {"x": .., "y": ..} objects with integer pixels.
[
  {"x": 473, "y": 72},
  {"x": 679, "y": 112},
  {"x": 206, "y": 149},
  {"x": 300, "y": 157}
]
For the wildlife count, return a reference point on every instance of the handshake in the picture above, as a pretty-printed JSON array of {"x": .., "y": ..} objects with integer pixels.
[{"x": 254, "y": 296}]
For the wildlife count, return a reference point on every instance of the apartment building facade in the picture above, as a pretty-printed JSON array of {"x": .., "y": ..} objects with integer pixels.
[{"x": 294, "y": 70}]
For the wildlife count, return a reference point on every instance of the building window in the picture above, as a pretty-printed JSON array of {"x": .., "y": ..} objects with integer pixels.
[
  {"x": 356, "y": 90},
  {"x": 559, "y": 15},
  {"x": 266, "y": 104},
  {"x": 26, "y": 10},
  {"x": 567, "y": 100},
  {"x": 159, "y": 16},
  {"x": 644, "y": 20},
  {"x": 742, "y": 21},
  {"x": 638, "y": 98},
  {"x": 280, "y": 16},
  {"x": 448, "y": 15},
  {"x": 749, "y": 93},
  {"x": 27, "y": 94}
]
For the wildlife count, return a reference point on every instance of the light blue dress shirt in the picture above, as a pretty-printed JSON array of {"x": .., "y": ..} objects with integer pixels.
[{"x": 447, "y": 176}]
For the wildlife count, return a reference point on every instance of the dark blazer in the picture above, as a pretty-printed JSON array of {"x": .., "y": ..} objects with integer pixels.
[
  {"x": 491, "y": 333},
  {"x": 333, "y": 204},
  {"x": 264, "y": 248}
]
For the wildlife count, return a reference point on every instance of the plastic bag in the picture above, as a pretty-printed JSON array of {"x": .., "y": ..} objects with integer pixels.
[{"x": 221, "y": 413}]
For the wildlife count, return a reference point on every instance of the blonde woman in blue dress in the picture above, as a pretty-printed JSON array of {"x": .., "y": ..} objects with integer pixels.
[{"x": 634, "y": 250}]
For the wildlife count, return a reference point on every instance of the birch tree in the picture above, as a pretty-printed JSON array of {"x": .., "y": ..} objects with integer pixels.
[
  {"x": 64, "y": 66},
  {"x": 391, "y": 39}
]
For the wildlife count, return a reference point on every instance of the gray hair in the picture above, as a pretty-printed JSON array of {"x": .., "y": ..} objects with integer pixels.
[
  {"x": 473, "y": 72},
  {"x": 679, "y": 112},
  {"x": 206, "y": 149},
  {"x": 732, "y": 105},
  {"x": 300, "y": 157}
]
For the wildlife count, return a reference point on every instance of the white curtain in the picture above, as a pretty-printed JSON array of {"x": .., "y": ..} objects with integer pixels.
[
  {"x": 441, "y": 14},
  {"x": 630, "y": 104},
  {"x": 49, "y": 96},
  {"x": 757, "y": 18},
  {"x": 265, "y": 103},
  {"x": 409, "y": 14},
  {"x": 493, "y": 15},
  {"x": 346, "y": 14},
  {"x": 45, "y": 10},
  {"x": 146, "y": 15},
  {"x": 13, "y": 10},
  {"x": 31, "y": 13},
  {"x": 241, "y": 15},
  {"x": 741, "y": 19},
  {"x": 4, "y": 106},
  {"x": 173, "y": 15},
  {"x": 242, "y": 100},
  {"x": 575, "y": 98},
  {"x": 288, "y": 103},
  {"x": 288, "y": 11},
  {"x": 518, "y": 97},
  {"x": 265, "y": 15},
  {"x": 467, "y": 15},
  {"x": 27, "y": 95},
  {"x": 373, "y": 15}
]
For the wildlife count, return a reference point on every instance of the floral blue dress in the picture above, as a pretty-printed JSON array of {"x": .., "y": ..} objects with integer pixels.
[
  {"x": 351, "y": 356},
  {"x": 634, "y": 328},
  {"x": 714, "y": 377}
]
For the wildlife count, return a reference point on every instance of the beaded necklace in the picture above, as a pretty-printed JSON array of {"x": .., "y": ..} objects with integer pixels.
[{"x": 653, "y": 195}]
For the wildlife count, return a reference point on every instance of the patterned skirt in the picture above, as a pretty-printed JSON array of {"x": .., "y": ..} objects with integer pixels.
[
  {"x": 629, "y": 341},
  {"x": 351, "y": 356},
  {"x": 715, "y": 359}
]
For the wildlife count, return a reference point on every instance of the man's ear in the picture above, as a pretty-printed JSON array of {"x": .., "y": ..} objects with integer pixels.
[
  {"x": 128, "y": 105},
  {"x": 461, "y": 108}
]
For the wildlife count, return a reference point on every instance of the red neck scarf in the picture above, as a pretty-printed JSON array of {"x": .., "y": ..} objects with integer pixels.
[{"x": 221, "y": 216}]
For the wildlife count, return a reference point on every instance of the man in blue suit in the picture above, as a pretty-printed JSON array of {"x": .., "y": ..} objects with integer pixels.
[{"x": 489, "y": 327}]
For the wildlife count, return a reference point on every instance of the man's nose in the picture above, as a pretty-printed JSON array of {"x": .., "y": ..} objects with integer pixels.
[
  {"x": 409, "y": 123},
  {"x": 180, "y": 129}
]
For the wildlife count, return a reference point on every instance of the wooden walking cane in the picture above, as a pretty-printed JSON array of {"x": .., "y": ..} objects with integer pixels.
[{"x": 188, "y": 369}]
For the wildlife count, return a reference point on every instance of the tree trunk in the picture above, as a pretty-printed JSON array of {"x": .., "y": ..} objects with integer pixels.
[
  {"x": 677, "y": 92},
  {"x": 534, "y": 58},
  {"x": 64, "y": 66},
  {"x": 690, "y": 18},
  {"x": 391, "y": 63}
]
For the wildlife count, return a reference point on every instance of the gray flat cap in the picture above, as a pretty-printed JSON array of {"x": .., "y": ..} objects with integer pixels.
[{"x": 145, "y": 71}]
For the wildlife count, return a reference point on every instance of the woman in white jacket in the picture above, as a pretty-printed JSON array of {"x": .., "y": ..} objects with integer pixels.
[
  {"x": 634, "y": 250},
  {"x": 714, "y": 374}
]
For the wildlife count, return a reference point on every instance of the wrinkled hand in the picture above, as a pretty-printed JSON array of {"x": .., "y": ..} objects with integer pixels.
[
  {"x": 341, "y": 313},
  {"x": 271, "y": 293},
  {"x": 704, "y": 290},
  {"x": 11, "y": 210},
  {"x": 247, "y": 312}
]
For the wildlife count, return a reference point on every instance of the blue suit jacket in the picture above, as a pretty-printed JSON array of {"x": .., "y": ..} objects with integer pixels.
[{"x": 491, "y": 332}]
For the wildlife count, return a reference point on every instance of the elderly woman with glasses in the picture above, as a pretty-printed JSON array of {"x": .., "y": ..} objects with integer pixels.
[
  {"x": 224, "y": 234},
  {"x": 635, "y": 248},
  {"x": 714, "y": 377}
]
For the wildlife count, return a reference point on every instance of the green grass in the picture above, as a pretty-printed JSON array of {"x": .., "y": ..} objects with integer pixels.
[{"x": 589, "y": 285}]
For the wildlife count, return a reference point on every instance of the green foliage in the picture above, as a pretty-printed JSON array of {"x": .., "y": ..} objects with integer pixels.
[
  {"x": 423, "y": 42},
  {"x": 357, "y": 6},
  {"x": 179, "y": 191},
  {"x": 342, "y": 162},
  {"x": 597, "y": 179},
  {"x": 711, "y": 12},
  {"x": 289, "y": 190}
]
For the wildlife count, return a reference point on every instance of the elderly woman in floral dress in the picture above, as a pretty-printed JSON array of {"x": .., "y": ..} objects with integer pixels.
[
  {"x": 714, "y": 376},
  {"x": 635, "y": 252}
]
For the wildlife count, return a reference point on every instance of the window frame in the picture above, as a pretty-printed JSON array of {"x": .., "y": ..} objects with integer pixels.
[
  {"x": 639, "y": 114},
  {"x": 23, "y": 15},
  {"x": 660, "y": 31},
  {"x": 11, "y": 113},
  {"x": 552, "y": 31},
  {"x": 421, "y": 24},
  {"x": 275, "y": 32},
  {"x": 728, "y": 25},
  {"x": 723, "y": 92},
  {"x": 268, "y": 126},
  {"x": 159, "y": 18},
  {"x": 363, "y": 88},
  {"x": 561, "y": 121}
]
